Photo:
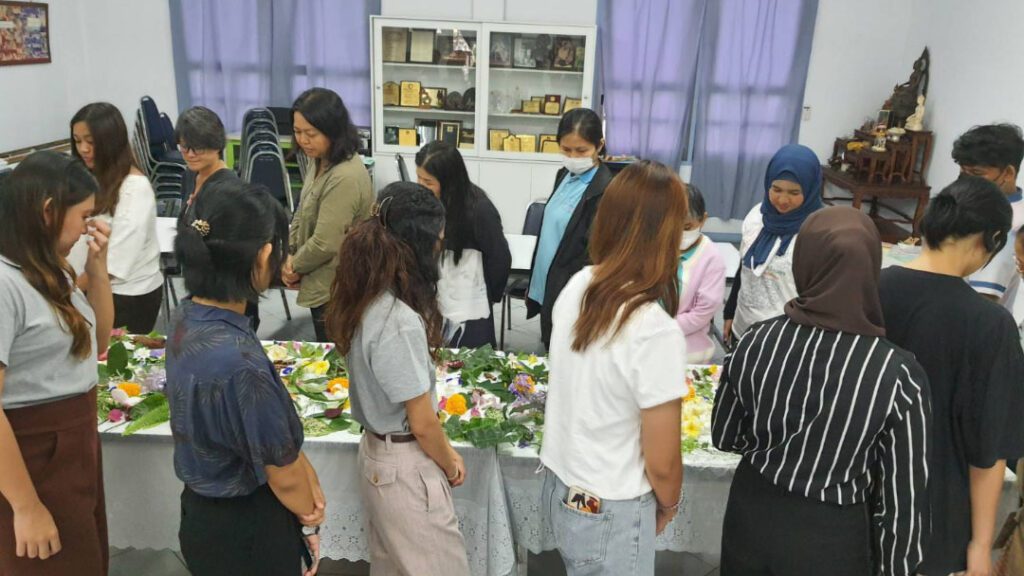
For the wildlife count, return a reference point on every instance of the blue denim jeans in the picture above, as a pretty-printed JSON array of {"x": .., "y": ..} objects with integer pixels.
[{"x": 619, "y": 541}]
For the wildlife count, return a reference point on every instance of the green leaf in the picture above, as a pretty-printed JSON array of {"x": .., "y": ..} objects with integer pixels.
[
  {"x": 149, "y": 404},
  {"x": 117, "y": 361},
  {"x": 153, "y": 417}
]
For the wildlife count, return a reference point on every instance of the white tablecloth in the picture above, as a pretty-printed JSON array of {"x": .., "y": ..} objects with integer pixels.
[{"x": 143, "y": 506}]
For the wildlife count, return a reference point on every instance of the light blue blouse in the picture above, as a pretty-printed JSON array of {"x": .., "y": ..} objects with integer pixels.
[{"x": 557, "y": 215}]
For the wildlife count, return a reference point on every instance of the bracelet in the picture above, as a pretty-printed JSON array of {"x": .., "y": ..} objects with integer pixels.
[
  {"x": 315, "y": 532},
  {"x": 452, "y": 478}
]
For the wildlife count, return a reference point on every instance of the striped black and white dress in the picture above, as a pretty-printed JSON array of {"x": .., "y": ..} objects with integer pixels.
[{"x": 834, "y": 417}]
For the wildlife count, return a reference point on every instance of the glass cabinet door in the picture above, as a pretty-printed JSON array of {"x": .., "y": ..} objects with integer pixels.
[
  {"x": 535, "y": 75},
  {"x": 425, "y": 85}
]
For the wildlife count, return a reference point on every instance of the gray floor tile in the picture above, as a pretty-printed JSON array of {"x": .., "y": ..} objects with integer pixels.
[{"x": 133, "y": 562}]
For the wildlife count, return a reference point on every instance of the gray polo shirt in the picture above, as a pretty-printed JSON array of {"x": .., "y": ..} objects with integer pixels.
[
  {"x": 34, "y": 346},
  {"x": 389, "y": 363}
]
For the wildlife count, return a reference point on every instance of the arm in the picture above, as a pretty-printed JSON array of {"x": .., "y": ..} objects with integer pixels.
[
  {"x": 899, "y": 501},
  {"x": 100, "y": 296},
  {"x": 730, "y": 306},
  {"x": 986, "y": 488},
  {"x": 425, "y": 426},
  {"x": 339, "y": 205},
  {"x": 663, "y": 460},
  {"x": 35, "y": 532},
  {"x": 291, "y": 485},
  {"x": 710, "y": 289},
  {"x": 491, "y": 239}
]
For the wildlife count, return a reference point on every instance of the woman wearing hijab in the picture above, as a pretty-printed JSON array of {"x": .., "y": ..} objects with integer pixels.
[
  {"x": 832, "y": 421},
  {"x": 764, "y": 283}
]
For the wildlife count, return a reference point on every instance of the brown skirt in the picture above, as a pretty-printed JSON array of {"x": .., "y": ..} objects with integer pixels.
[{"x": 61, "y": 448}]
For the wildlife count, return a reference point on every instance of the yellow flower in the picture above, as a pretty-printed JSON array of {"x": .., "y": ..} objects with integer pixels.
[
  {"x": 346, "y": 405},
  {"x": 318, "y": 368},
  {"x": 690, "y": 395},
  {"x": 456, "y": 405},
  {"x": 130, "y": 388},
  {"x": 337, "y": 386},
  {"x": 692, "y": 428},
  {"x": 714, "y": 369}
]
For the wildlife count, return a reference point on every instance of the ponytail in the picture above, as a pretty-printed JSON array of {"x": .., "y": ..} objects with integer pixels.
[{"x": 970, "y": 205}]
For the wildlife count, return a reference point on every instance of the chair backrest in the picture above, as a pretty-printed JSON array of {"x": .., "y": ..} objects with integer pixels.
[
  {"x": 151, "y": 122},
  {"x": 168, "y": 128},
  {"x": 267, "y": 168},
  {"x": 168, "y": 206},
  {"x": 534, "y": 217},
  {"x": 259, "y": 112},
  {"x": 403, "y": 172},
  {"x": 258, "y": 130}
]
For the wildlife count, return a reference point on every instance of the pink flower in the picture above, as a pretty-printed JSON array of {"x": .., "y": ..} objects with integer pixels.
[
  {"x": 117, "y": 332},
  {"x": 442, "y": 403},
  {"x": 116, "y": 415},
  {"x": 474, "y": 413}
]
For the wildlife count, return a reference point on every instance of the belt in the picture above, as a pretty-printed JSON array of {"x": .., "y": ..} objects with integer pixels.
[{"x": 396, "y": 438}]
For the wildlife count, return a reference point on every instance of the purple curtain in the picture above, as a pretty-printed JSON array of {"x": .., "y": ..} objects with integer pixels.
[
  {"x": 232, "y": 55},
  {"x": 750, "y": 91},
  {"x": 648, "y": 61}
]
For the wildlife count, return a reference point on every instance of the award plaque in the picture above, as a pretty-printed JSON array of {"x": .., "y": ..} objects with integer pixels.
[
  {"x": 565, "y": 53},
  {"x": 391, "y": 135},
  {"x": 545, "y": 138},
  {"x": 450, "y": 132},
  {"x": 496, "y": 139},
  {"x": 581, "y": 54},
  {"x": 553, "y": 105},
  {"x": 468, "y": 136},
  {"x": 572, "y": 104},
  {"x": 511, "y": 144},
  {"x": 437, "y": 97},
  {"x": 469, "y": 100},
  {"x": 395, "y": 43},
  {"x": 550, "y": 147},
  {"x": 410, "y": 94},
  {"x": 527, "y": 142},
  {"x": 421, "y": 47},
  {"x": 501, "y": 50},
  {"x": 522, "y": 53},
  {"x": 453, "y": 101},
  {"x": 407, "y": 137},
  {"x": 531, "y": 107},
  {"x": 392, "y": 94}
]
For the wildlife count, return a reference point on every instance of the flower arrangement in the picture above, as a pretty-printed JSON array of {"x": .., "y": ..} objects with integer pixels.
[{"x": 697, "y": 408}]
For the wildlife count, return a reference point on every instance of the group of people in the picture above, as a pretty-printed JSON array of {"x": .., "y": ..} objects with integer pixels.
[{"x": 875, "y": 411}]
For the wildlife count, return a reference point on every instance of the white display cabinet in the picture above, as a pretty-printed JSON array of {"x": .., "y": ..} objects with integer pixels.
[{"x": 495, "y": 90}]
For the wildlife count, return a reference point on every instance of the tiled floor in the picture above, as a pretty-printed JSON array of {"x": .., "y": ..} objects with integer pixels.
[{"x": 523, "y": 337}]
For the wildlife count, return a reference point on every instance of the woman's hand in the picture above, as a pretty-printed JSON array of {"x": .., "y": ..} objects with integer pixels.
[
  {"x": 727, "y": 332},
  {"x": 290, "y": 278},
  {"x": 313, "y": 542},
  {"x": 458, "y": 476},
  {"x": 96, "y": 261},
  {"x": 979, "y": 560},
  {"x": 662, "y": 518},
  {"x": 316, "y": 517},
  {"x": 35, "y": 532}
]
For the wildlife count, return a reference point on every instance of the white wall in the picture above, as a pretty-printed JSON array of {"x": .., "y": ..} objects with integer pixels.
[{"x": 110, "y": 50}]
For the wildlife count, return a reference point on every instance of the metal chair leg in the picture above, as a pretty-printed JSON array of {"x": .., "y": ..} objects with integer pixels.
[
  {"x": 287, "y": 310},
  {"x": 174, "y": 293},
  {"x": 167, "y": 302}
]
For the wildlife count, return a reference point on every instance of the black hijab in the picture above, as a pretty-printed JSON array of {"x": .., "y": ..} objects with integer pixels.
[{"x": 836, "y": 263}]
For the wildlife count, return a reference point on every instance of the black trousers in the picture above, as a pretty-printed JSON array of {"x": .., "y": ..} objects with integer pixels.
[
  {"x": 138, "y": 313},
  {"x": 252, "y": 535},
  {"x": 771, "y": 532},
  {"x": 475, "y": 334},
  {"x": 319, "y": 323}
]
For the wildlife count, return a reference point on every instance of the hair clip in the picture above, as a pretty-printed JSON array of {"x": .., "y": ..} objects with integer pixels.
[
  {"x": 380, "y": 210},
  {"x": 201, "y": 226}
]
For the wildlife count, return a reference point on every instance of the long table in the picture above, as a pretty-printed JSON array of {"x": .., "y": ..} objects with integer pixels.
[{"x": 498, "y": 507}]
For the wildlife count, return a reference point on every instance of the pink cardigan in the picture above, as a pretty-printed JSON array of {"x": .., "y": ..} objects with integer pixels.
[{"x": 702, "y": 296}]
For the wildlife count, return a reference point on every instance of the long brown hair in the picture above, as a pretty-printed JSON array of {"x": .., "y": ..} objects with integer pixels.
[
  {"x": 395, "y": 250},
  {"x": 27, "y": 240},
  {"x": 113, "y": 158},
  {"x": 634, "y": 246}
]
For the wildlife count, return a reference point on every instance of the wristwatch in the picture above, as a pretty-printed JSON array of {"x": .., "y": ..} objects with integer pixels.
[{"x": 308, "y": 531}]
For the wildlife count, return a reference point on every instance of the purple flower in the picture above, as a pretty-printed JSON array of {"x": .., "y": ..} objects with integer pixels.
[
  {"x": 287, "y": 370},
  {"x": 156, "y": 353},
  {"x": 522, "y": 385},
  {"x": 332, "y": 413},
  {"x": 116, "y": 415}
]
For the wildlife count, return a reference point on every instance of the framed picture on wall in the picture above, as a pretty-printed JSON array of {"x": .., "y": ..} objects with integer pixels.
[
  {"x": 501, "y": 50},
  {"x": 24, "y": 33}
]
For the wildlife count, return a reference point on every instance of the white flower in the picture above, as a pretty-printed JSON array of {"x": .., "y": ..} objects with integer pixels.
[
  {"x": 277, "y": 353},
  {"x": 122, "y": 398}
]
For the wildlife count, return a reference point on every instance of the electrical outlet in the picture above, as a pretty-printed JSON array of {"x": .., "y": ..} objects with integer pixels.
[{"x": 807, "y": 113}]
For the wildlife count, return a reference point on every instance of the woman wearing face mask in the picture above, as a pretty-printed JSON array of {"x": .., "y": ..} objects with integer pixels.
[
  {"x": 970, "y": 349},
  {"x": 701, "y": 282},
  {"x": 764, "y": 283},
  {"x": 562, "y": 248}
]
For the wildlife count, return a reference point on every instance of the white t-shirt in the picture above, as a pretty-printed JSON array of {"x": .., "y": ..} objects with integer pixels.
[
  {"x": 1000, "y": 277},
  {"x": 764, "y": 290},
  {"x": 133, "y": 254},
  {"x": 592, "y": 416},
  {"x": 461, "y": 288}
]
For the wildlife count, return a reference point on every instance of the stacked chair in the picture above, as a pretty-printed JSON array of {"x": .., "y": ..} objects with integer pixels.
[
  {"x": 261, "y": 160},
  {"x": 155, "y": 150}
]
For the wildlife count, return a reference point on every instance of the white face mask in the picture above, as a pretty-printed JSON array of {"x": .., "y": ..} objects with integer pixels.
[
  {"x": 577, "y": 166},
  {"x": 690, "y": 238}
]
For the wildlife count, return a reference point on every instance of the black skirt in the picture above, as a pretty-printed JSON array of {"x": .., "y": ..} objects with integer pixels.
[
  {"x": 771, "y": 532},
  {"x": 253, "y": 535}
]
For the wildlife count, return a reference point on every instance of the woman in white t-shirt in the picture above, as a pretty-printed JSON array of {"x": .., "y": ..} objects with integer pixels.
[
  {"x": 126, "y": 201},
  {"x": 792, "y": 192},
  {"x": 618, "y": 374}
]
